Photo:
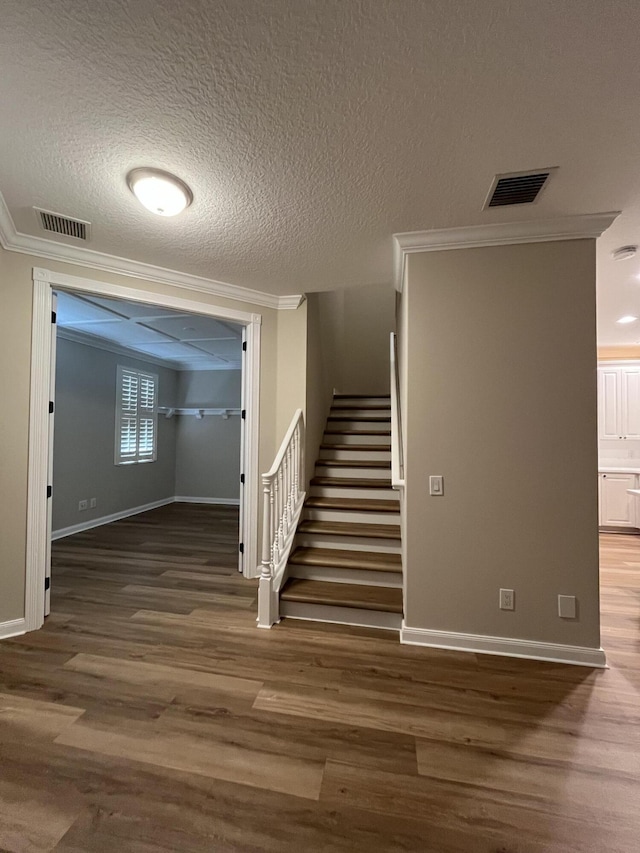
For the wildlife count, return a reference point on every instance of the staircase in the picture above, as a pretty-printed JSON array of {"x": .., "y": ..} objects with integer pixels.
[{"x": 346, "y": 564}]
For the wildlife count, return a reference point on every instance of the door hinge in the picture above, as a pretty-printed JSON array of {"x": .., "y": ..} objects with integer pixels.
[
  {"x": 49, "y": 491},
  {"x": 47, "y": 583},
  {"x": 244, "y": 346},
  {"x": 54, "y": 317},
  {"x": 50, "y": 407},
  {"x": 241, "y": 547},
  {"x": 242, "y": 479},
  {"x": 244, "y": 414}
]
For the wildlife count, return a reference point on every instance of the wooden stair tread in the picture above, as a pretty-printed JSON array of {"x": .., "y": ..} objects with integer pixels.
[
  {"x": 353, "y": 463},
  {"x": 343, "y": 595},
  {"x": 373, "y": 419},
  {"x": 362, "y": 407},
  {"x": 339, "y": 559},
  {"x": 353, "y": 504},
  {"x": 357, "y": 447},
  {"x": 351, "y": 528},
  {"x": 357, "y": 432},
  {"x": 351, "y": 482}
]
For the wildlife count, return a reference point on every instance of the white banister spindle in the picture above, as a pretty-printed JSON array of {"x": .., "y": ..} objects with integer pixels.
[
  {"x": 282, "y": 506},
  {"x": 289, "y": 483},
  {"x": 266, "y": 567}
]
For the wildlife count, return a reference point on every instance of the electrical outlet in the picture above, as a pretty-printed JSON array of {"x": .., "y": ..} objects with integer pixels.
[
  {"x": 93, "y": 503},
  {"x": 82, "y": 505},
  {"x": 567, "y": 606},
  {"x": 507, "y": 599}
]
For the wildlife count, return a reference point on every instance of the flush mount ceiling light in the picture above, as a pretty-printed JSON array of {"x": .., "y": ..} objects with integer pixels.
[
  {"x": 624, "y": 253},
  {"x": 160, "y": 192},
  {"x": 628, "y": 318}
]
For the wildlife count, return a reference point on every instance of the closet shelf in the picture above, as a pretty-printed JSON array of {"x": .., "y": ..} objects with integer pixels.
[{"x": 198, "y": 411}]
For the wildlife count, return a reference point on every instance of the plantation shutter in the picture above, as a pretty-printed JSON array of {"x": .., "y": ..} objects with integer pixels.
[
  {"x": 135, "y": 417},
  {"x": 146, "y": 417}
]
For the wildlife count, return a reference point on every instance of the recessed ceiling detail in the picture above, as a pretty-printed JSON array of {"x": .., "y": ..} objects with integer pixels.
[
  {"x": 55, "y": 223},
  {"x": 517, "y": 188},
  {"x": 171, "y": 338}
]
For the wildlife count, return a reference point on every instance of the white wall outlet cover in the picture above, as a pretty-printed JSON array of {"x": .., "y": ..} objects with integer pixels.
[
  {"x": 507, "y": 599},
  {"x": 567, "y": 606}
]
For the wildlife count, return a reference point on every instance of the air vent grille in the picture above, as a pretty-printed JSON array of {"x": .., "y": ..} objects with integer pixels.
[
  {"x": 57, "y": 224},
  {"x": 517, "y": 188}
]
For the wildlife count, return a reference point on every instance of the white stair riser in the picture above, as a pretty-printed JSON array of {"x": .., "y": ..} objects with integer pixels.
[
  {"x": 341, "y": 438},
  {"x": 348, "y": 543},
  {"x": 357, "y": 576},
  {"x": 360, "y": 425},
  {"x": 343, "y": 492},
  {"x": 343, "y": 411},
  {"x": 351, "y": 516},
  {"x": 358, "y": 402},
  {"x": 341, "y": 615},
  {"x": 328, "y": 453},
  {"x": 343, "y": 471}
]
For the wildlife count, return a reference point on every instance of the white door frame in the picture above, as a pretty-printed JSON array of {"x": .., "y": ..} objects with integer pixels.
[{"x": 38, "y": 533}]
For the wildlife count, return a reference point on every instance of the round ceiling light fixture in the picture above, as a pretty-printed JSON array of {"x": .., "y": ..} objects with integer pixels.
[
  {"x": 160, "y": 192},
  {"x": 624, "y": 253}
]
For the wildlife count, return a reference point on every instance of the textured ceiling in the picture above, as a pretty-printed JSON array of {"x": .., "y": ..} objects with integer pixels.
[
  {"x": 311, "y": 130},
  {"x": 177, "y": 340}
]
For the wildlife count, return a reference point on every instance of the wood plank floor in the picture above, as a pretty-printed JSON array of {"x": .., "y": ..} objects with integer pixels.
[{"x": 151, "y": 715}]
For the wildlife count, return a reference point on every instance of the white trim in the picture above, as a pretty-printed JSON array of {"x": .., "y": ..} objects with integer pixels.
[
  {"x": 182, "y": 499},
  {"x": 251, "y": 435},
  {"x": 38, "y": 468},
  {"x": 40, "y": 247},
  {"x": 582, "y": 227},
  {"x": 148, "y": 297},
  {"x": 107, "y": 519},
  {"x": 126, "y": 513},
  {"x": 513, "y": 648},
  {"x": 13, "y": 628}
]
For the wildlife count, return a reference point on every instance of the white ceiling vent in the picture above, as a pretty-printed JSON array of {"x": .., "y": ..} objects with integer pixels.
[
  {"x": 55, "y": 223},
  {"x": 517, "y": 188}
]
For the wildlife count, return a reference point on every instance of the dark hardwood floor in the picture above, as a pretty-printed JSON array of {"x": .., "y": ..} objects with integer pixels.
[{"x": 150, "y": 714}]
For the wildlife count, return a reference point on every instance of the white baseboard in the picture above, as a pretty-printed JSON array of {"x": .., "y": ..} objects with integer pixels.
[
  {"x": 181, "y": 499},
  {"x": 556, "y": 653},
  {"x": 12, "y": 628},
  {"x": 107, "y": 519},
  {"x": 134, "y": 510}
]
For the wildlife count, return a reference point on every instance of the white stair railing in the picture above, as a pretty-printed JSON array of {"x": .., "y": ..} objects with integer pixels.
[{"x": 281, "y": 509}]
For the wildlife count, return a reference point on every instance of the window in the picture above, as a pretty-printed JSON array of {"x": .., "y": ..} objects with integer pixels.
[{"x": 136, "y": 418}]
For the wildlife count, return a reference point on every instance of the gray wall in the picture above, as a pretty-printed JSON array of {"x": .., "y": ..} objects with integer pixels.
[
  {"x": 85, "y": 435},
  {"x": 208, "y": 450},
  {"x": 500, "y": 399}
]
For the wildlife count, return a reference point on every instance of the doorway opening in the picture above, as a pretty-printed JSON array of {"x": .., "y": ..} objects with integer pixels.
[{"x": 174, "y": 393}]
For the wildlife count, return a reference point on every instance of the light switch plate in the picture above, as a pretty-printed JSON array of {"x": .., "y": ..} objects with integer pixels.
[
  {"x": 436, "y": 485},
  {"x": 567, "y": 606}
]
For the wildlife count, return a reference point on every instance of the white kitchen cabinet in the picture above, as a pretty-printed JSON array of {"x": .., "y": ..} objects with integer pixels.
[
  {"x": 619, "y": 401},
  {"x": 617, "y": 507}
]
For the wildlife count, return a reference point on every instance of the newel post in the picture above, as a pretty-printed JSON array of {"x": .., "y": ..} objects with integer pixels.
[{"x": 266, "y": 610}]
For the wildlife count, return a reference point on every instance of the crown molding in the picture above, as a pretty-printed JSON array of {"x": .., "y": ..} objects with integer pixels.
[
  {"x": 582, "y": 227},
  {"x": 13, "y": 240}
]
